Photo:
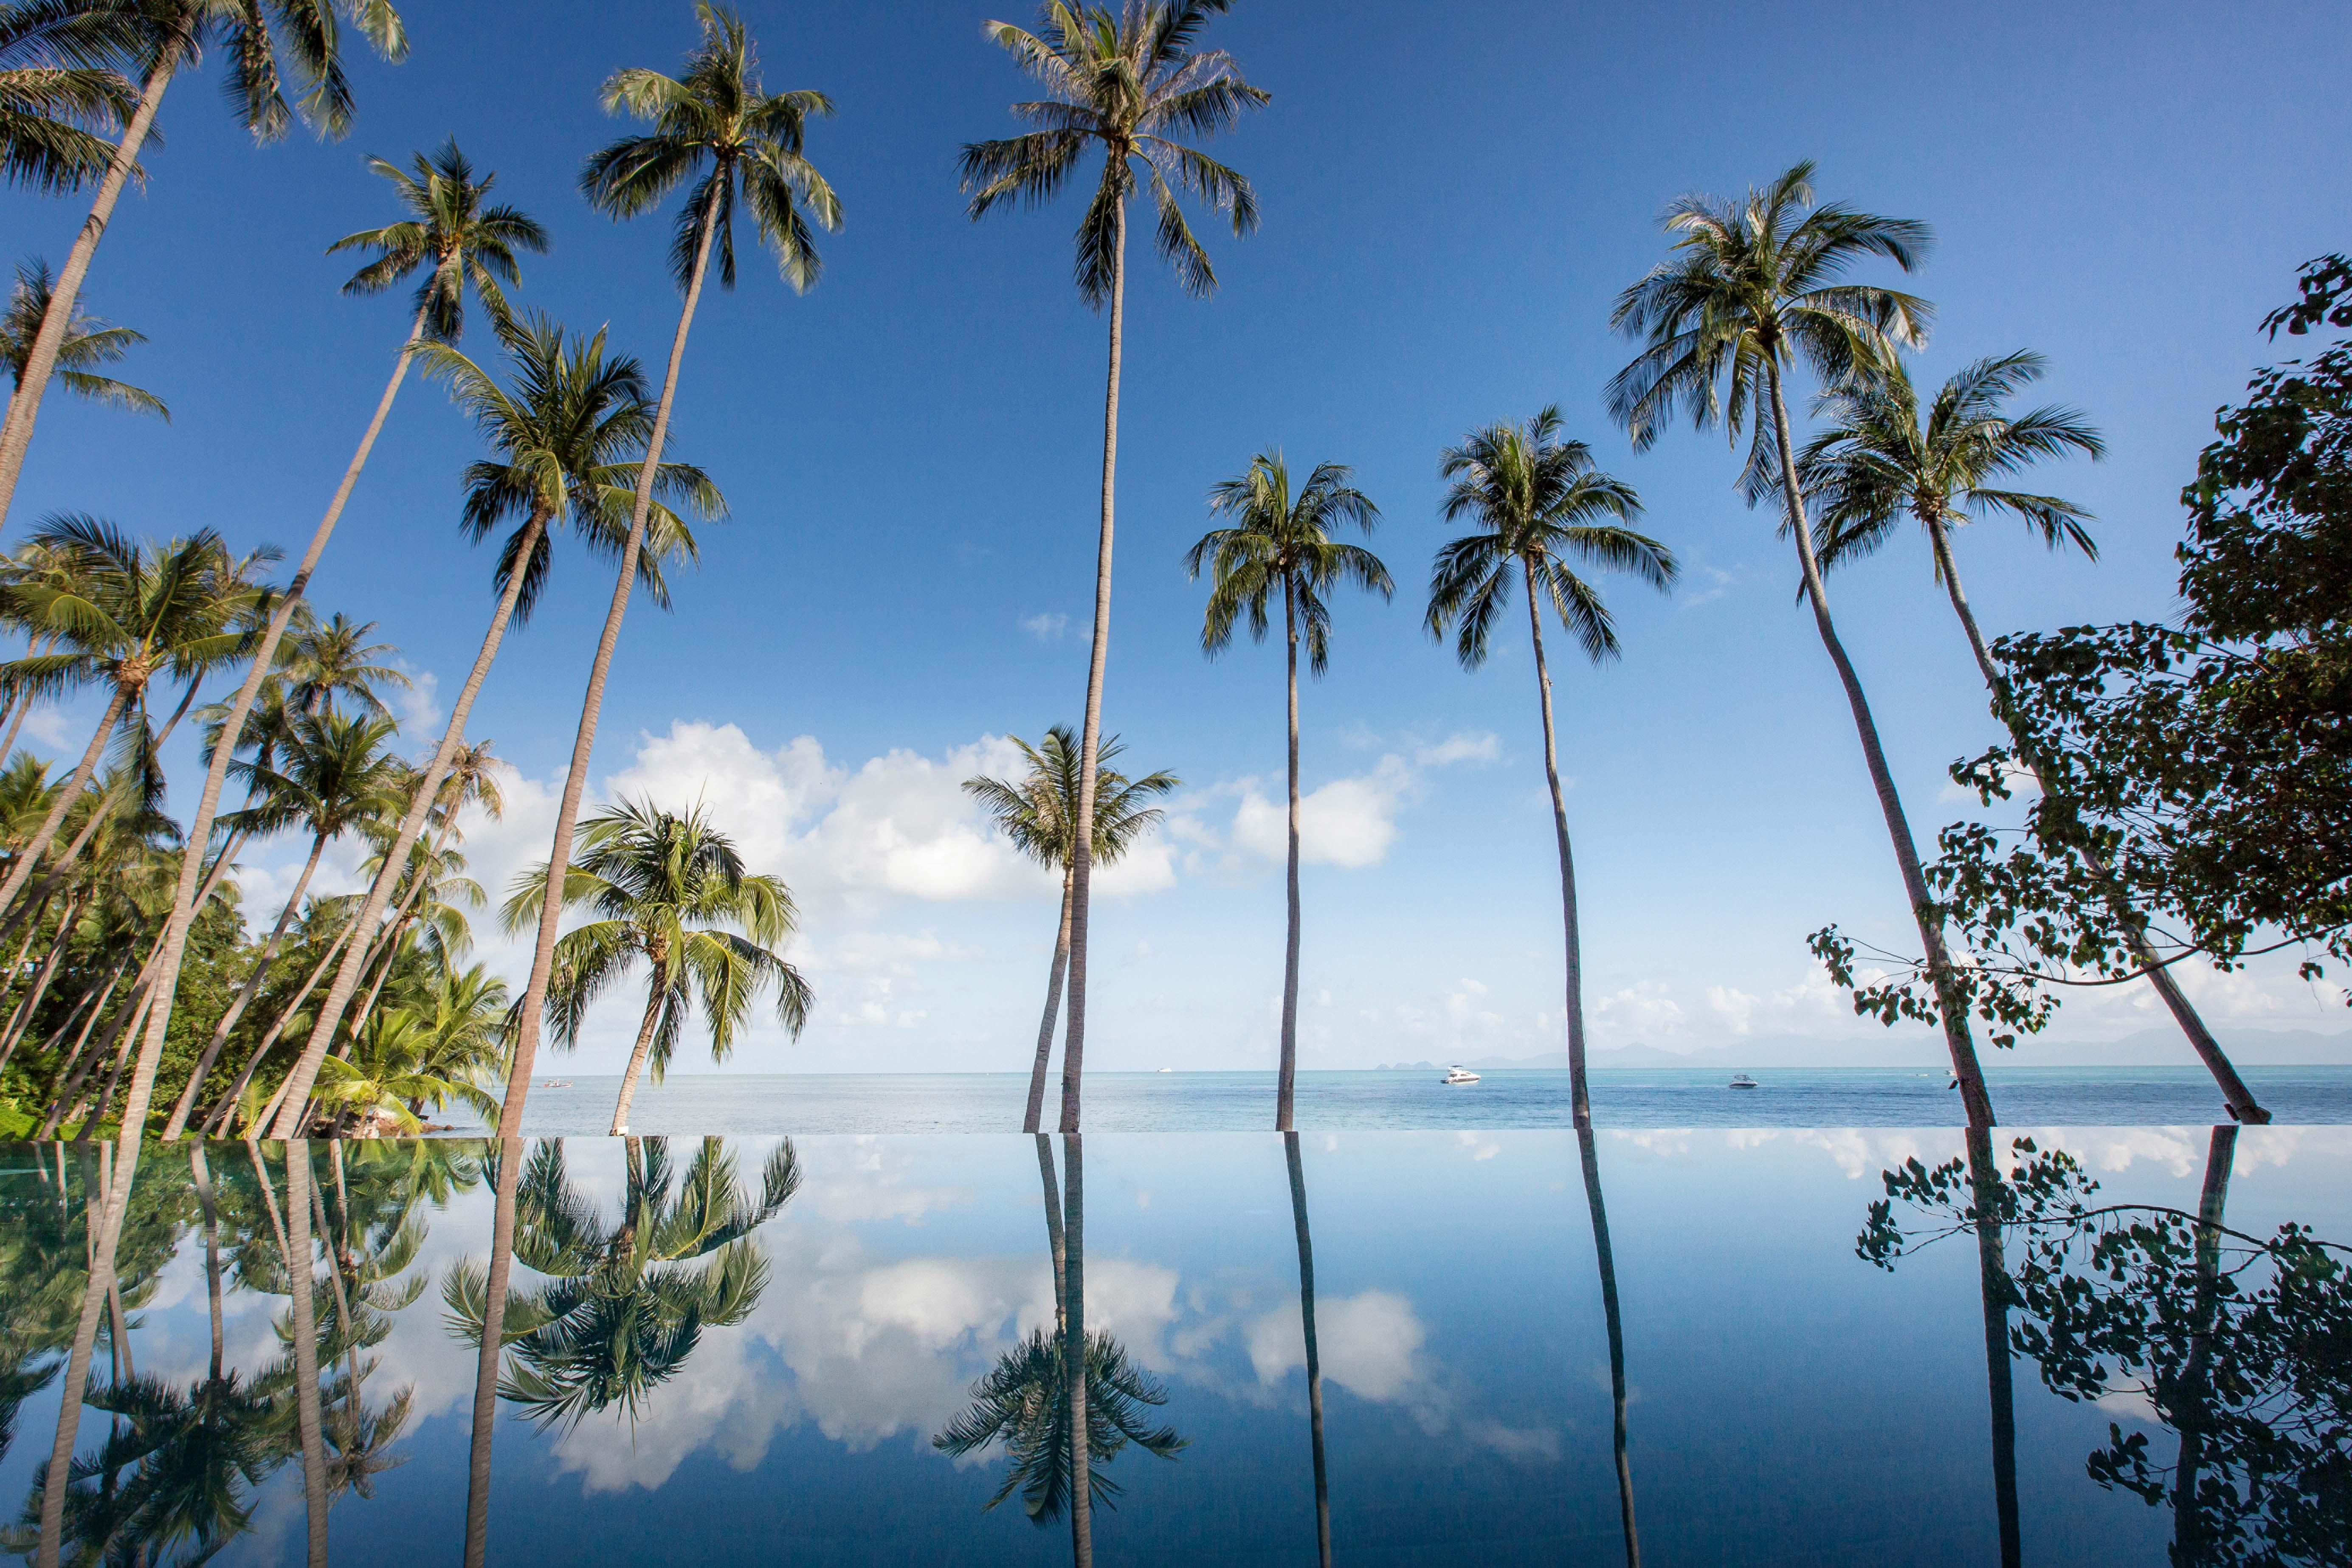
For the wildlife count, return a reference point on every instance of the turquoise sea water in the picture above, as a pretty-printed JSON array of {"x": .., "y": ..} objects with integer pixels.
[{"x": 1404, "y": 1101}]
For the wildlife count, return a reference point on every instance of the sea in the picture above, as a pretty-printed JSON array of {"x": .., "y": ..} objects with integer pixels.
[{"x": 1415, "y": 1100}]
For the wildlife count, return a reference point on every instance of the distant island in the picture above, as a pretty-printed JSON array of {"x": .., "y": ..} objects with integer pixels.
[{"x": 2147, "y": 1047}]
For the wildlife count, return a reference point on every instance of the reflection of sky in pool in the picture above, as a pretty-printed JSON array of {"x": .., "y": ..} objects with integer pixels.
[{"x": 1787, "y": 1401}]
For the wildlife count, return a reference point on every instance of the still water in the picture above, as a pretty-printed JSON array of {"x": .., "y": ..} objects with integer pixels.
[{"x": 1457, "y": 1347}]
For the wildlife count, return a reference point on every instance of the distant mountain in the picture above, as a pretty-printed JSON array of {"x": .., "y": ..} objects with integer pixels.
[{"x": 2147, "y": 1047}]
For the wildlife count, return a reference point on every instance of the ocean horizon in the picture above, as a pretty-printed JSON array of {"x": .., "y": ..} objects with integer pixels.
[{"x": 1393, "y": 1100}]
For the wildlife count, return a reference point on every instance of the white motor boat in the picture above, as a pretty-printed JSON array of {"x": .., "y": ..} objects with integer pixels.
[
  {"x": 1741, "y": 1080},
  {"x": 1460, "y": 1075}
]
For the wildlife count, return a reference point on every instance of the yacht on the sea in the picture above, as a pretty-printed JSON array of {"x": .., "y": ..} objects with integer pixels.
[
  {"x": 1741, "y": 1080},
  {"x": 1460, "y": 1075}
]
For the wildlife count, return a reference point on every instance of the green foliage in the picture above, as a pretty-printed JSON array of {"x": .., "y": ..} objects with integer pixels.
[
  {"x": 1039, "y": 812},
  {"x": 1023, "y": 1403},
  {"x": 1281, "y": 544}
]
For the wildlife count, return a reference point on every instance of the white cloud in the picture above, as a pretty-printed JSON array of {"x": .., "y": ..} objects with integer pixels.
[
  {"x": 1464, "y": 746},
  {"x": 1349, "y": 822},
  {"x": 1048, "y": 626},
  {"x": 417, "y": 705}
]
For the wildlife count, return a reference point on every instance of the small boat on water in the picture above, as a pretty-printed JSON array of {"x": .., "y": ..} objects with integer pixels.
[
  {"x": 553, "y": 1083},
  {"x": 1167, "y": 1069},
  {"x": 1459, "y": 1075},
  {"x": 1741, "y": 1080}
]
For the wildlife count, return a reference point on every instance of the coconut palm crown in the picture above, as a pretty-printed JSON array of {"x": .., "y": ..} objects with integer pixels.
[
  {"x": 1281, "y": 544},
  {"x": 453, "y": 231},
  {"x": 1038, "y": 811},
  {"x": 88, "y": 341}
]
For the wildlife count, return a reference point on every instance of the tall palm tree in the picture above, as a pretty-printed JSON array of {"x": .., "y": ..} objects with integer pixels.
[
  {"x": 336, "y": 776},
  {"x": 1039, "y": 813},
  {"x": 1124, "y": 85},
  {"x": 1540, "y": 506},
  {"x": 323, "y": 660},
  {"x": 1754, "y": 288},
  {"x": 88, "y": 341},
  {"x": 61, "y": 95},
  {"x": 122, "y": 612},
  {"x": 469, "y": 782},
  {"x": 624, "y": 1303},
  {"x": 1278, "y": 541},
  {"x": 1876, "y": 460},
  {"x": 463, "y": 237},
  {"x": 156, "y": 38},
  {"x": 670, "y": 889},
  {"x": 567, "y": 432},
  {"x": 717, "y": 122}
]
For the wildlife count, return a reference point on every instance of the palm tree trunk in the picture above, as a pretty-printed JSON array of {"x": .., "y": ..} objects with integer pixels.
[
  {"x": 1580, "y": 1096},
  {"x": 486, "y": 1356},
  {"x": 1605, "y": 1263},
  {"x": 1052, "y": 1010},
  {"x": 17, "y": 429},
  {"x": 229, "y": 1103},
  {"x": 68, "y": 1064},
  {"x": 106, "y": 1236},
  {"x": 1974, "y": 1099},
  {"x": 116, "y": 1042},
  {"x": 2188, "y": 1532},
  {"x": 30, "y": 854},
  {"x": 30, "y": 907},
  {"x": 395, "y": 860},
  {"x": 388, "y": 945},
  {"x": 245, "y": 995},
  {"x": 22, "y": 1019},
  {"x": 2234, "y": 1092},
  {"x": 184, "y": 907},
  {"x": 1082, "y": 842},
  {"x": 114, "y": 1075},
  {"x": 186, "y": 699},
  {"x": 1286, "y": 1089},
  {"x": 95, "y": 998},
  {"x": 654, "y": 995},
  {"x": 567, "y": 817},
  {"x": 1992, "y": 1279},
  {"x": 201, "y": 1173},
  {"x": 1314, "y": 1357},
  {"x": 1074, "y": 1350},
  {"x": 294, "y": 1246},
  {"x": 1056, "y": 1243}
]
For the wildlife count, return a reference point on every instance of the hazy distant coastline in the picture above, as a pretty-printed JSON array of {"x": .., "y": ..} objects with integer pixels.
[{"x": 2147, "y": 1047}]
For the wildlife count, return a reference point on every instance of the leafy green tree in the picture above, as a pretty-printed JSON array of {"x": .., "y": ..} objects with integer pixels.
[
  {"x": 672, "y": 891},
  {"x": 1038, "y": 813},
  {"x": 88, "y": 341},
  {"x": 1277, "y": 540},
  {"x": 156, "y": 38},
  {"x": 625, "y": 1304},
  {"x": 1540, "y": 508},
  {"x": 1126, "y": 85},
  {"x": 1753, "y": 289},
  {"x": 567, "y": 431},
  {"x": 59, "y": 95},
  {"x": 463, "y": 237},
  {"x": 718, "y": 124}
]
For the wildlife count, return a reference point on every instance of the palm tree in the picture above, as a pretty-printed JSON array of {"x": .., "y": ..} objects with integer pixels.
[
  {"x": 463, "y": 238},
  {"x": 1752, "y": 289},
  {"x": 59, "y": 94},
  {"x": 1876, "y": 460},
  {"x": 451, "y": 232},
  {"x": 1121, "y": 84},
  {"x": 469, "y": 782},
  {"x": 1540, "y": 505},
  {"x": 1276, "y": 541},
  {"x": 567, "y": 432},
  {"x": 122, "y": 612},
  {"x": 158, "y": 37},
  {"x": 718, "y": 121},
  {"x": 625, "y": 1304},
  {"x": 1038, "y": 813},
  {"x": 321, "y": 660},
  {"x": 335, "y": 776},
  {"x": 673, "y": 890},
  {"x": 88, "y": 341}
]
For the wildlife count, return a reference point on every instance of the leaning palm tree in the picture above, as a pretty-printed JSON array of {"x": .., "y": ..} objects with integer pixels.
[
  {"x": 1038, "y": 813},
  {"x": 1279, "y": 540},
  {"x": 670, "y": 889},
  {"x": 463, "y": 237},
  {"x": 1876, "y": 460},
  {"x": 1124, "y": 85},
  {"x": 121, "y": 612},
  {"x": 156, "y": 38},
  {"x": 60, "y": 96},
  {"x": 717, "y": 122},
  {"x": 88, "y": 341},
  {"x": 323, "y": 660},
  {"x": 567, "y": 430},
  {"x": 1540, "y": 506},
  {"x": 1753, "y": 289},
  {"x": 336, "y": 776}
]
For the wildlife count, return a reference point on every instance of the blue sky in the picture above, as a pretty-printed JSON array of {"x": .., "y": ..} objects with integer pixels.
[{"x": 910, "y": 451}]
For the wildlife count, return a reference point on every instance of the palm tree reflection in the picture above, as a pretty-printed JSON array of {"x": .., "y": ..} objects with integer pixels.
[
  {"x": 1606, "y": 1262},
  {"x": 1995, "y": 1291},
  {"x": 1059, "y": 1431},
  {"x": 1314, "y": 1355}
]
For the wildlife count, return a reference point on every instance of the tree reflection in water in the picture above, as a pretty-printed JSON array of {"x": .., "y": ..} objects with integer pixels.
[
  {"x": 1605, "y": 1259},
  {"x": 1058, "y": 1433},
  {"x": 2240, "y": 1345},
  {"x": 1313, "y": 1354},
  {"x": 625, "y": 1304}
]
